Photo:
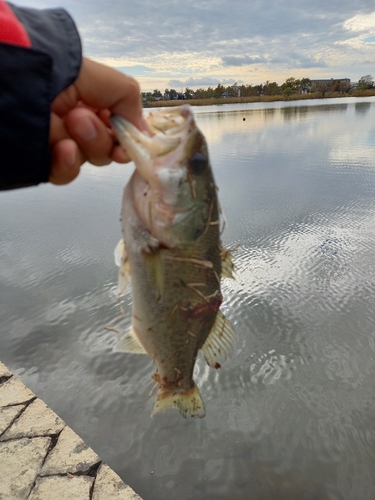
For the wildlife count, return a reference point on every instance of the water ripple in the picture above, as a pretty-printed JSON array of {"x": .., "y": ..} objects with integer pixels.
[{"x": 290, "y": 413}]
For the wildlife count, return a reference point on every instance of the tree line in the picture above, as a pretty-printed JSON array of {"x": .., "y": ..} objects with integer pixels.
[{"x": 290, "y": 86}]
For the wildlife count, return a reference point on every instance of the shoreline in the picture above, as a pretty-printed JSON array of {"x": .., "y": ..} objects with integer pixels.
[
  {"x": 263, "y": 98},
  {"x": 42, "y": 458}
]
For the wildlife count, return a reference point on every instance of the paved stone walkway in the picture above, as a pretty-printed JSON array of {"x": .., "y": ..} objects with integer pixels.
[{"x": 41, "y": 458}]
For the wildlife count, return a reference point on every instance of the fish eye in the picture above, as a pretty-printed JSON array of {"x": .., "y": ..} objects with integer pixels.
[{"x": 198, "y": 163}]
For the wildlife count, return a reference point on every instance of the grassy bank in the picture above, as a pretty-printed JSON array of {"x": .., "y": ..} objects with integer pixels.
[{"x": 263, "y": 98}]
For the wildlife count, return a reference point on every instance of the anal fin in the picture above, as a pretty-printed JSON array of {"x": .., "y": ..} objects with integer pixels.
[
  {"x": 219, "y": 341},
  {"x": 189, "y": 403},
  {"x": 130, "y": 343}
]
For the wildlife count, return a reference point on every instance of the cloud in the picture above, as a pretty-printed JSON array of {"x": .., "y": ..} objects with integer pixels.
[
  {"x": 230, "y": 81},
  {"x": 137, "y": 70},
  {"x": 361, "y": 22},
  {"x": 247, "y": 40},
  {"x": 242, "y": 60},
  {"x": 144, "y": 29},
  {"x": 205, "y": 81},
  {"x": 303, "y": 61},
  {"x": 310, "y": 62}
]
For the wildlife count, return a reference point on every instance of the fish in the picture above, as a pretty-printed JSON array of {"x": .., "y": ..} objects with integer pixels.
[{"x": 171, "y": 252}]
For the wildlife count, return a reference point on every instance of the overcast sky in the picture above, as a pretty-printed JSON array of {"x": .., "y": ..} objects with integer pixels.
[{"x": 197, "y": 43}]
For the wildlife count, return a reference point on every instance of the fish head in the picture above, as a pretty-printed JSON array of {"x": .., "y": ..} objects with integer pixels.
[{"x": 173, "y": 186}]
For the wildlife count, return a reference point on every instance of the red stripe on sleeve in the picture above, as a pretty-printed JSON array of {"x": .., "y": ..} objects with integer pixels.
[{"x": 11, "y": 30}]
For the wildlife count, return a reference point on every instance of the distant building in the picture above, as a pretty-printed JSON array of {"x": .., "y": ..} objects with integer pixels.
[{"x": 332, "y": 84}]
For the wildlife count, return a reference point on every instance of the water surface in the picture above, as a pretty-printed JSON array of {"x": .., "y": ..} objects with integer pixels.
[{"x": 291, "y": 414}]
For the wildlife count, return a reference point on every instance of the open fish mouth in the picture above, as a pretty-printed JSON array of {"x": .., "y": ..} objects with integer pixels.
[
  {"x": 167, "y": 131},
  {"x": 166, "y": 190}
]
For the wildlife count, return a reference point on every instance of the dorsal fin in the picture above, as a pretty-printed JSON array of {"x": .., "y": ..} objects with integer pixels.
[
  {"x": 130, "y": 343},
  {"x": 219, "y": 342},
  {"x": 122, "y": 260}
]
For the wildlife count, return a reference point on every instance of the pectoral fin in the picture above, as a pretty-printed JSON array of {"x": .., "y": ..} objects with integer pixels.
[
  {"x": 219, "y": 342},
  {"x": 189, "y": 403},
  {"x": 227, "y": 266},
  {"x": 122, "y": 260},
  {"x": 130, "y": 343}
]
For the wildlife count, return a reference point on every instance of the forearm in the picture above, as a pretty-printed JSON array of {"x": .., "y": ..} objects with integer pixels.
[{"x": 30, "y": 78}]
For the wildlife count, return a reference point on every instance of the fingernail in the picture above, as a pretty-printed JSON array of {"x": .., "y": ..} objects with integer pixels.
[{"x": 85, "y": 130}]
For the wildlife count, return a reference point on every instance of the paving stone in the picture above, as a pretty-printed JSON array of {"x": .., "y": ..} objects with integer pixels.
[
  {"x": 24, "y": 444},
  {"x": 7, "y": 414},
  {"x": 62, "y": 488},
  {"x": 70, "y": 454},
  {"x": 20, "y": 463},
  {"x": 4, "y": 372},
  {"x": 13, "y": 392},
  {"x": 37, "y": 420},
  {"x": 108, "y": 485}
]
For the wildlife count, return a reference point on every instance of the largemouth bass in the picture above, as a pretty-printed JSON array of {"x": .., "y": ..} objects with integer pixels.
[{"x": 171, "y": 250}]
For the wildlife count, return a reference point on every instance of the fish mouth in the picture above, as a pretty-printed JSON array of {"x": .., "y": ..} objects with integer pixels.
[
  {"x": 162, "y": 188},
  {"x": 168, "y": 129}
]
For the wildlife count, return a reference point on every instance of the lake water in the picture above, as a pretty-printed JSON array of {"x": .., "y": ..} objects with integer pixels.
[{"x": 291, "y": 414}]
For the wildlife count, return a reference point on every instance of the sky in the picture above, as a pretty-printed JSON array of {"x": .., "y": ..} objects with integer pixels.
[{"x": 200, "y": 43}]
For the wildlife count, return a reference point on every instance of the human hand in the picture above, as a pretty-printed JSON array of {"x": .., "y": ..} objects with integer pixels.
[{"x": 79, "y": 128}]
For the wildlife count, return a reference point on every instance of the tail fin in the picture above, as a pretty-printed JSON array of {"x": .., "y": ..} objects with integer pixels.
[{"x": 189, "y": 403}]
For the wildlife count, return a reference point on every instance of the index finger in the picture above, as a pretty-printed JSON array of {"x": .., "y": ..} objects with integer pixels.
[{"x": 102, "y": 87}]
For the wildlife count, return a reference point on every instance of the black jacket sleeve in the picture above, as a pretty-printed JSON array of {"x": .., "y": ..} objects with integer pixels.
[{"x": 30, "y": 78}]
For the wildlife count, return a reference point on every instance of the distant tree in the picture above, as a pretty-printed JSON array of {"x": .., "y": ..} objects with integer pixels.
[
  {"x": 200, "y": 94},
  {"x": 288, "y": 91},
  {"x": 291, "y": 85},
  {"x": 254, "y": 90},
  {"x": 366, "y": 82},
  {"x": 244, "y": 90},
  {"x": 230, "y": 91},
  {"x": 172, "y": 93},
  {"x": 219, "y": 91},
  {"x": 233, "y": 90},
  {"x": 344, "y": 86},
  {"x": 271, "y": 88},
  {"x": 156, "y": 93},
  {"x": 323, "y": 87},
  {"x": 148, "y": 96},
  {"x": 189, "y": 93},
  {"x": 305, "y": 85},
  {"x": 294, "y": 85}
]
